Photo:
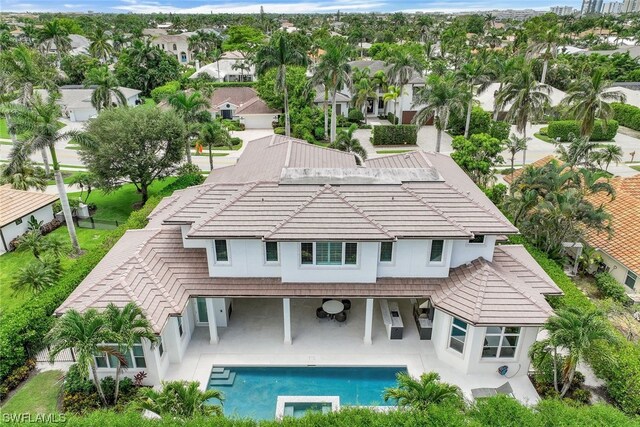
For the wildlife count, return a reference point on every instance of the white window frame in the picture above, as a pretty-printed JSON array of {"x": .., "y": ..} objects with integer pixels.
[
  {"x": 443, "y": 261},
  {"x": 131, "y": 355},
  {"x": 215, "y": 254},
  {"x": 267, "y": 262},
  {"x": 501, "y": 336},
  {"x": 393, "y": 253},
  {"x": 314, "y": 263},
  {"x": 466, "y": 333}
]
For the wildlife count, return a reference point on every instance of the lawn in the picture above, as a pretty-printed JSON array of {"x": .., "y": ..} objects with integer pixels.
[
  {"x": 39, "y": 395},
  {"x": 67, "y": 176},
  {"x": 544, "y": 138},
  {"x": 636, "y": 167},
  {"x": 4, "y": 132}
]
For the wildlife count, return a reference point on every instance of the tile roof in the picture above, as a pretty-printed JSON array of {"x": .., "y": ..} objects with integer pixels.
[
  {"x": 15, "y": 204},
  {"x": 152, "y": 268},
  {"x": 255, "y": 106},
  {"x": 234, "y": 95},
  {"x": 537, "y": 164}
]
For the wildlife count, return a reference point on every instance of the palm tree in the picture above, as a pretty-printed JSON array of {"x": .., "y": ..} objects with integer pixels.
[
  {"x": 127, "y": 326},
  {"x": 213, "y": 134},
  {"x": 334, "y": 66},
  {"x": 528, "y": 98},
  {"x": 320, "y": 79},
  {"x": 609, "y": 153},
  {"x": 20, "y": 172},
  {"x": 440, "y": 96},
  {"x": 180, "y": 399},
  {"x": 280, "y": 53},
  {"x": 421, "y": 393},
  {"x": 392, "y": 94},
  {"x": 216, "y": 56},
  {"x": 577, "y": 331},
  {"x": 85, "y": 333},
  {"x": 39, "y": 246},
  {"x": 38, "y": 275},
  {"x": 188, "y": 106},
  {"x": 107, "y": 89},
  {"x": 347, "y": 143},
  {"x": 588, "y": 99},
  {"x": 40, "y": 120},
  {"x": 53, "y": 33},
  {"x": 547, "y": 48},
  {"x": 476, "y": 75},
  {"x": 502, "y": 69},
  {"x": 578, "y": 152},
  {"x": 364, "y": 91},
  {"x": 100, "y": 47},
  {"x": 403, "y": 66},
  {"x": 514, "y": 145},
  {"x": 242, "y": 66}
]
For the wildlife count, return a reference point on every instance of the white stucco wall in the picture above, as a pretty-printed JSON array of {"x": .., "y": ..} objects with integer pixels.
[
  {"x": 471, "y": 361},
  {"x": 464, "y": 252},
  {"x": 411, "y": 259},
  {"x": 618, "y": 270},
  {"x": 13, "y": 230}
]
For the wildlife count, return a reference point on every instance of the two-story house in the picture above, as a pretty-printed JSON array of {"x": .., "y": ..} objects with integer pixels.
[{"x": 238, "y": 270}]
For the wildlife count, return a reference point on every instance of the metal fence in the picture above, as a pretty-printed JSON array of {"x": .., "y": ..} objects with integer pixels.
[
  {"x": 67, "y": 355},
  {"x": 101, "y": 224}
]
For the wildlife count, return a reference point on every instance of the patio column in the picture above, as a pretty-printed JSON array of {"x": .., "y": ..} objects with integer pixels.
[
  {"x": 211, "y": 317},
  {"x": 368, "y": 321},
  {"x": 286, "y": 308}
]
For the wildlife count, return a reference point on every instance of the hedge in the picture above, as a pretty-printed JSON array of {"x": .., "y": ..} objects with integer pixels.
[
  {"x": 22, "y": 332},
  {"x": 562, "y": 128},
  {"x": 610, "y": 288},
  {"x": 619, "y": 363},
  {"x": 627, "y": 115},
  {"x": 394, "y": 135}
]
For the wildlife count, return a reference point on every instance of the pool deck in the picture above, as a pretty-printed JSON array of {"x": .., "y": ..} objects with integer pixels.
[{"x": 254, "y": 337}]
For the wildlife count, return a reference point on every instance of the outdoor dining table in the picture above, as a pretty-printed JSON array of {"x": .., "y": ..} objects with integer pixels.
[{"x": 333, "y": 306}]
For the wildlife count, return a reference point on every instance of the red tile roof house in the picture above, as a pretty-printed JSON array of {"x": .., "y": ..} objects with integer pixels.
[
  {"x": 231, "y": 272},
  {"x": 243, "y": 104}
]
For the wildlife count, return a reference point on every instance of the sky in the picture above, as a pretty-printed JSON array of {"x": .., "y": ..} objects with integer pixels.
[{"x": 274, "y": 6}]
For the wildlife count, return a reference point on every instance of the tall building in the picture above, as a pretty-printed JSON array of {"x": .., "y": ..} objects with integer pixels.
[
  {"x": 563, "y": 10},
  {"x": 630, "y": 6},
  {"x": 591, "y": 6},
  {"x": 612, "y": 8}
]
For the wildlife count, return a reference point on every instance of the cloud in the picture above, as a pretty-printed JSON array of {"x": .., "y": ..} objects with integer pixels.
[{"x": 302, "y": 7}]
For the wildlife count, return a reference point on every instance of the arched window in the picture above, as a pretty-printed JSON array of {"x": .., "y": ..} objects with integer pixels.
[
  {"x": 175, "y": 47},
  {"x": 183, "y": 57}
]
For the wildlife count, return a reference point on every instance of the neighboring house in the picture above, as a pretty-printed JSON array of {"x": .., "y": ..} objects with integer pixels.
[
  {"x": 487, "y": 99},
  {"x": 173, "y": 44},
  {"x": 243, "y": 104},
  {"x": 228, "y": 69},
  {"x": 75, "y": 101},
  {"x": 231, "y": 271},
  {"x": 376, "y": 106},
  {"x": 621, "y": 251},
  {"x": 79, "y": 45},
  {"x": 17, "y": 207}
]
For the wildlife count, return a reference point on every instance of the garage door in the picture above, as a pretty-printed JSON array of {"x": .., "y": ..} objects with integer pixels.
[{"x": 258, "y": 121}]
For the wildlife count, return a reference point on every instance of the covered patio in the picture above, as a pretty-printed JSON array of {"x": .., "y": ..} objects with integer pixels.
[{"x": 256, "y": 336}]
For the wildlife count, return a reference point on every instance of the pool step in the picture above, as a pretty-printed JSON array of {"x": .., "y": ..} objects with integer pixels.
[
  {"x": 223, "y": 381},
  {"x": 219, "y": 374}
]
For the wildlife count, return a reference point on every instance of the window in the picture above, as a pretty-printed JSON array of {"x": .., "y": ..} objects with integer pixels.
[
  {"x": 134, "y": 357},
  {"x": 201, "y": 304},
  {"x": 222, "y": 255},
  {"x": 329, "y": 253},
  {"x": 306, "y": 253},
  {"x": 183, "y": 57},
  {"x": 478, "y": 238},
  {"x": 630, "y": 280},
  {"x": 437, "y": 248},
  {"x": 271, "y": 251},
  {"x": 160, "y": 346},
  {"x": 180, "y": 330},
  {"x": 386, "y": 251},
  {"x": 175, "y": 47},
  {"x": 458, "y": 335},
  {"x": 501, "y": 341},
  {"x": 18, "y": 221}
]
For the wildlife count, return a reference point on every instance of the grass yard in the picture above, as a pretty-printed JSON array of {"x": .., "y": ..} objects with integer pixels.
[
  {"x": 67, "y": 176},
  {"x": 4, "y": 132},
  {"x": 544, "y": 138},
  {"x": 636, "y": 167},
  {"x": 39, "y": 395}
]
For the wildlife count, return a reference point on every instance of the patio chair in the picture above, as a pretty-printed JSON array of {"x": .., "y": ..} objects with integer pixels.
[
  {"x": 505, "y": 388},
  {"x": 321, "y": 314},
  {"x": 341, "y": 317},
  {"x": 347, "y": 304}
]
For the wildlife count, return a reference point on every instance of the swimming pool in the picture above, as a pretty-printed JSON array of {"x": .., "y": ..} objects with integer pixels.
[{"x": 253, "y": 391}]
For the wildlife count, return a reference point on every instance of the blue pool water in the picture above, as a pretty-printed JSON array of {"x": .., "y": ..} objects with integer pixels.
[{"x": 255, "y": 389}]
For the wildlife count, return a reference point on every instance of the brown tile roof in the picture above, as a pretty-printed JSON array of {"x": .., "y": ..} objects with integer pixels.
[
  {"x": 234, "y": 95},
  {"x": 15, "y": 204},
  {"x": 624, "y": 244},
  {"x": 255, "y": 106},
  {"x": 152, "y": 268}
]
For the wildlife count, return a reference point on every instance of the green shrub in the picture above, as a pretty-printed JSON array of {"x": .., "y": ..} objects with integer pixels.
[
  {"x": 392, "y": 118},
  {"x": 496, "y": 193},
  {"x": 279, "y": 131},
  {"x": 355, "y": 116},
  {"x": 76, "y": 382},
  {"x": 627, "y": 115},
  {"x": 500, "y": 130},
  {"x": 563, "y": 128},
  {"x": 166, "y": 90},
  {"x": 318, "y": 132},
  {"x": 233, "y": 124},
  {"x": 544, "y": 131},
  {"x": 16, "y": 377},
  {"x": 394, "y": 135},
  {"x": 610, "y": 288},
  {"x": 189, "y": 169},
  {"x": 480, "y": 122}
]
